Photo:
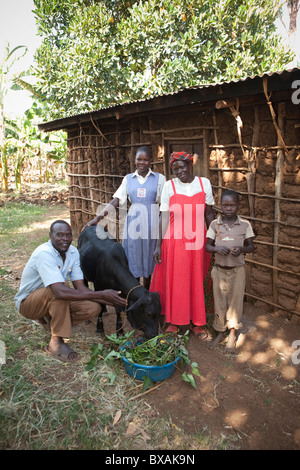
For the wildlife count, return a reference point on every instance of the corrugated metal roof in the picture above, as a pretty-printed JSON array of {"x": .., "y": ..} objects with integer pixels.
[{"x": 208, "y": 86}]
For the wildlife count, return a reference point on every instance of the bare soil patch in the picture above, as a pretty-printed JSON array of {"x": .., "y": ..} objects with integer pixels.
[
  {"x": 252, "y": 398},
  {"x": 50, "y": 194}
]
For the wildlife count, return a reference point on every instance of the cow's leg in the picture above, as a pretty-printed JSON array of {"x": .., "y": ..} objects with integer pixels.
[
  {"x": 100, "y": 327},
  {"x": 119, "y": 323}
]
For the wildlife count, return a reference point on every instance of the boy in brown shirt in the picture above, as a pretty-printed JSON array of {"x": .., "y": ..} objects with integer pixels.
[{"x": 229, "y": 237}]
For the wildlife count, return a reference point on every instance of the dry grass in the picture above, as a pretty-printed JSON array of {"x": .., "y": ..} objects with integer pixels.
[{"x": 46, "y": 404}]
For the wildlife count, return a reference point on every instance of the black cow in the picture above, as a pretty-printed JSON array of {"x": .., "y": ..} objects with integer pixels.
[{"x": 104, "y": 263}]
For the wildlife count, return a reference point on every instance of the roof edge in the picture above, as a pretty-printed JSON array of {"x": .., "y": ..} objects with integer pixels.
[{"x": 192, "y": 95}]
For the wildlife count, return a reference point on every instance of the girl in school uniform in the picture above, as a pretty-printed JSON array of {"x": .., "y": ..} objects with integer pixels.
[{"x": 143, "y": 190}]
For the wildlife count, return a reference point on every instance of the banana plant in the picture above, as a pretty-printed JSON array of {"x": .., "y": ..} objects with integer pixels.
[
  {"x": 10, "y": 57},
  {"x": 21, "y": 141},
  {"x": 33, "y": 143},
  {"x": 12, "y": 135}
]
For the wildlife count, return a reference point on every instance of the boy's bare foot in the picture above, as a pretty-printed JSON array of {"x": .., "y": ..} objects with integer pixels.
[{"x": 230, "y": 345}]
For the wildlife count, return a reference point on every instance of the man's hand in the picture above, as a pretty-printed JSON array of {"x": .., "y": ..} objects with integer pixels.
[
  {"x": 81, "y": 292},
  {"x": 112, "y": 297}
]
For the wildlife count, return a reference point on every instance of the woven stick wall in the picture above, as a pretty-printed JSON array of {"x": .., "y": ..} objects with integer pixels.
[
  {"x": 267, "y": 178},
  {"x": 97, "y": 162},
  {"x": 243, "y": 149}
]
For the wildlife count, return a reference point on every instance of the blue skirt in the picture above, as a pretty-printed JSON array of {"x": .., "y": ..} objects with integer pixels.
[{"x": 139, "y": 238}]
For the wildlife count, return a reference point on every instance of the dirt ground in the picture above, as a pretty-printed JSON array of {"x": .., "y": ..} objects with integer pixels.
[{"x": 251, "y": 398}]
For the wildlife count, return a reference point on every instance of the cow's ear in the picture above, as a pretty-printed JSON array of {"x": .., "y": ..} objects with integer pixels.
[
  {"x": 149, "y": 297},
  {"x": 156, "y": 294}
]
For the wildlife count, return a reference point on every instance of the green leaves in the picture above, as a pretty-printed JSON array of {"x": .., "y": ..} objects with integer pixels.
[
  {"x": 109, "y": 350},
  {"x": 157, "y": 351},
  {"x": 147, "y": 383},
  {"x": 189, "y": 377},
  {"x": 97, "y": 54}
]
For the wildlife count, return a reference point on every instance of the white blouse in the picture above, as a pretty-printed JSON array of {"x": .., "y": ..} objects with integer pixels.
[
  {"x": 122, "y": 191},
  {"x": 187, "y": 189}
]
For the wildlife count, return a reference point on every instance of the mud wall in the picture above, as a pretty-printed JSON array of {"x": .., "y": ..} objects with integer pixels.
[
  {"x": 238, "y": 147},
  {"x": 267, "y": 178}
]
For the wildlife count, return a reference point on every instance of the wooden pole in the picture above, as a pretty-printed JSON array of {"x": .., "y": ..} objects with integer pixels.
[
  {"x": 91, "y": 184},
  {"x": 77, "y": 191},
  {"x": 205, "y": 153},
  {"x": 81, "y": 155},
  {"x": 132, "y": 154},
  {"x": 278, "y": 194},
  {"x": 219, "y": 159},
  {"x": 166, "y": 156},
  {"x": 72, "y": 189},
  {"x": 252, "y": 163},
  {"x": 250, "y": 177}
]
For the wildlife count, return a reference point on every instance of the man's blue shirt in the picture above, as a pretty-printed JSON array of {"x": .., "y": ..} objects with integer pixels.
[{"x": 46, "y": 267}]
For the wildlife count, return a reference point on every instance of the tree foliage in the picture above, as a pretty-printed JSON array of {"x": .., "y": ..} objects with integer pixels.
[{"x": 98, "y": 53}]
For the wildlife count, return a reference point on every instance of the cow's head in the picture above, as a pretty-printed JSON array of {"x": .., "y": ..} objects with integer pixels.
[{"x": 144, "y": 313}]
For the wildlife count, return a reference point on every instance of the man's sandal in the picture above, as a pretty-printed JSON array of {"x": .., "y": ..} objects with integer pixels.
[{"x": 64, "y": 354}]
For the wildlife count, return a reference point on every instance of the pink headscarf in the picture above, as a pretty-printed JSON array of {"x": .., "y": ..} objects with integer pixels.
[{"x": 175, "y": 156}]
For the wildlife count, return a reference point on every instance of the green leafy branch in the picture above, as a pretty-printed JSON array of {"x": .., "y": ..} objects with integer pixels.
[{"x": 157, "y": 351}]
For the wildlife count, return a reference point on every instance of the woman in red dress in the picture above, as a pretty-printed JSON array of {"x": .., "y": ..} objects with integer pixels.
[{"x": 181, "y": 260}]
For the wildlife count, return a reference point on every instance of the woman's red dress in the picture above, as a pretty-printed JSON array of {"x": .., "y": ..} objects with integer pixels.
[{"x": 184, "y": 262}]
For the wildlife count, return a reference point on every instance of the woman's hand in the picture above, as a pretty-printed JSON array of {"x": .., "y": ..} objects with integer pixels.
[{"x": 157, "y": 255}]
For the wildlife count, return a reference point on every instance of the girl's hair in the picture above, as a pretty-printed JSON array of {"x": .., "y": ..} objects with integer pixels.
[
  {"x": 145, "y": 149},
  {"x": 232, "y": 193}
]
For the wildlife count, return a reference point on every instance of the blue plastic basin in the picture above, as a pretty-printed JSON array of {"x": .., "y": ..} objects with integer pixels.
[{"x": 155, "y": 373}]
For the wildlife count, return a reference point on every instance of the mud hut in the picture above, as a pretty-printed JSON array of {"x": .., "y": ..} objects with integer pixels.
[{"x": 246, "y": 134}]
